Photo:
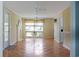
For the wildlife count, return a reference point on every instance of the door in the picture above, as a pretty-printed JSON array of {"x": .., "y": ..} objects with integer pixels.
[
  {"x": 58, "y": 29},
  {"x": 6, "y": 30},
  {"x": 34, "y": 28},
  {"x": 61, "y": 27}
]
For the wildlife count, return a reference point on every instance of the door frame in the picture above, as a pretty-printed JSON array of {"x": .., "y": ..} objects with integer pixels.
[{"x": 6, "y": 12}]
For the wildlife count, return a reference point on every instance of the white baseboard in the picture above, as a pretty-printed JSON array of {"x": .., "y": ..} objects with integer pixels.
[
  {"x": 13, "y": 43},
  {"x": 63, "y": 44},
  {"x": 66, "y": 46},
  {"x": 57, "y": 40}
]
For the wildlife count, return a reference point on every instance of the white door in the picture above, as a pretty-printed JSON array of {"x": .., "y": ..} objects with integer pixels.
[
  {"x": 61, "y": 27},
  {"x": 58, "y": 30},
  {"x": 6, "y": 30}
]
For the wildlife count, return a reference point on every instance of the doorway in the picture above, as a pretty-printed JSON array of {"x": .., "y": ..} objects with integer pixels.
[
  {"x": 34, "y": 36},
  {"x": 6, "y": 31},
  {"x": 34, "y": 29}
]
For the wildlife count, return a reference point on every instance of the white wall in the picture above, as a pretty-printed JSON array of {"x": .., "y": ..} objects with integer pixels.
[
  {"x": 1, "y": 28},
  {"x": 48, "y": 28}
]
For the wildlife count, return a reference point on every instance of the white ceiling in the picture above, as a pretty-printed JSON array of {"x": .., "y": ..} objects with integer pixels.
[{"x": 45, "y": 8}]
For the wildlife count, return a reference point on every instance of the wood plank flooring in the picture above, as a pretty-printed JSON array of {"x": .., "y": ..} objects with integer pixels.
[{"x": 36, "y": 48}]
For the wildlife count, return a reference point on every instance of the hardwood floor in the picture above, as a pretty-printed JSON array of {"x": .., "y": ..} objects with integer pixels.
[{"x": 36, "y": 48}]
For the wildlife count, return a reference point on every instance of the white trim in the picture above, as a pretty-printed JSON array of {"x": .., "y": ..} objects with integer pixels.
[
  {"x": 66, "y": 32},
  {"x": 66, "y": 46},
  {"x": 63, "y": 44},
  {"x": 13, "y": 43},
  {"x": 57, "y": 40}
]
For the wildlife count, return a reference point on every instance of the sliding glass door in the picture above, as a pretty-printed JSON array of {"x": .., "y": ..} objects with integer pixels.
[{"x": 34, "y": 28}]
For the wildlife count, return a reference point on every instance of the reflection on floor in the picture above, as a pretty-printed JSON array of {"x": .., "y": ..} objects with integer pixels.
[{"x": 36, "y": 47}]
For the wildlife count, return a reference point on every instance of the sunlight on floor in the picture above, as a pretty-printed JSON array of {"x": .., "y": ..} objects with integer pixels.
[{"x": 34, "y": 45}]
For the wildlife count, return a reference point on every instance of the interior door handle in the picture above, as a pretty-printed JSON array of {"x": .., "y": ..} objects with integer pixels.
[{"x": 61, "y": 30}]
